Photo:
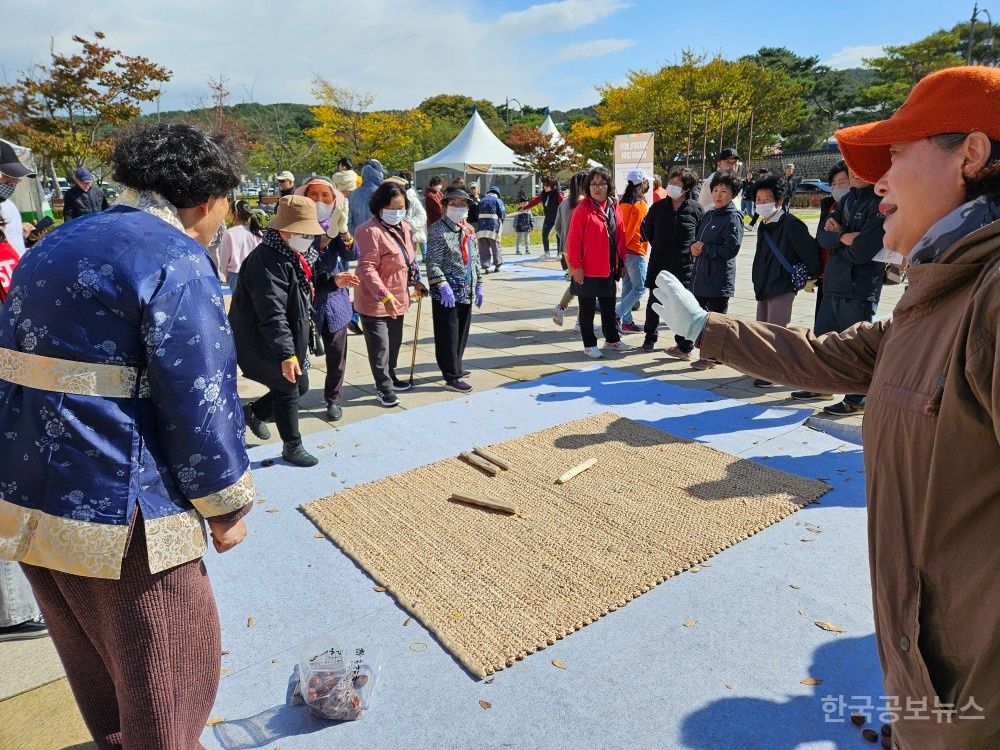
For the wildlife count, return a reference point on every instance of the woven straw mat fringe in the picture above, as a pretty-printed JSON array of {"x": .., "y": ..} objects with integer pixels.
[{"x": 494, "y": 588}]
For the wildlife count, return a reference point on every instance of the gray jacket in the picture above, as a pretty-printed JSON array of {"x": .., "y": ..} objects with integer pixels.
[{"x": 443, "y": 259}]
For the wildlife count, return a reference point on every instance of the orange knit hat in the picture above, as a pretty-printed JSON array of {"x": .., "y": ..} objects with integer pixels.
[{"x": 955, "y": 100}]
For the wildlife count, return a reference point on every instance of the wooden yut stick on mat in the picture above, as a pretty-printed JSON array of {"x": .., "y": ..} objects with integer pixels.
[
  {"x": 483, "y": 502},
  {"x": 578, "y": 469},
  {"x": 491, "y": 457},
  {"x": 480, "y": 463}
]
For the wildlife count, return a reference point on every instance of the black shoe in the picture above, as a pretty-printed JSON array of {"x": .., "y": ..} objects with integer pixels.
[
  {"x": 759, "y": 383},
  {"x": 496, "y": 268},
  {"x": 648, "y": 344},
  {"x": 354, "y": 327},
  {"x": 296, "y": 455},
  {"x": 401, "y": 385},
  {"x": 844, "y": 408},
  {"x": 24, "y": 632},
  {"x": 635, "y": 307},
  {"x": 810, "y": 395},
  {"x": 334, "y": 412},
  {"x": 255, "y": 424},
  {"x": 387, "y": 398}
]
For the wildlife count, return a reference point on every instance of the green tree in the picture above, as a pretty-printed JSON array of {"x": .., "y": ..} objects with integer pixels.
[{"x": 67, "y": 111}]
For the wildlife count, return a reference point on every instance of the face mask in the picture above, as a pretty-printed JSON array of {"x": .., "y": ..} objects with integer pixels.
[
  {"x": 300, "y": 244},
  {"x": 6, "y": 190},
  {"x": 323, "y": 211},
  {"x": 840, "y": 193},
  {"x": 766, "y": 209},
  {"x": 392, "y": 216},
  {"x": 675, "y": 191},
  {"x": 457, "y": 213}
]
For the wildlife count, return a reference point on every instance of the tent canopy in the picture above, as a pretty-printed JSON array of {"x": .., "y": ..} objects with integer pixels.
[
  {"x": 548, "y": 128},
  {"x": 476, "y": 150}
]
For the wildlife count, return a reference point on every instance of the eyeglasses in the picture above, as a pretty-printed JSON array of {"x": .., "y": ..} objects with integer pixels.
[{"x": 598, "y": 184}]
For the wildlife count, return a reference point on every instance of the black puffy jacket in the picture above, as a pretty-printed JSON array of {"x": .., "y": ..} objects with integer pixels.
[
  {"x": 851, "y": 273},
  {"x": 792, "y": 238},
  {"x": 670, "y": 234},
  {"x": 714, "y": 272}
]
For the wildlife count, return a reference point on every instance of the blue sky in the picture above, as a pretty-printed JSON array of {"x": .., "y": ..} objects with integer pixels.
[{"x": 541, "y": 53}]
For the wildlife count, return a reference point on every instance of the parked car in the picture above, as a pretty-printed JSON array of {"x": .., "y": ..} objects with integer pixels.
[{"x": 812, "y": 186}]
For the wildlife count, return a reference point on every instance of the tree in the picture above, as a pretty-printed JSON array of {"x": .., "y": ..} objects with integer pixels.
[
  {"x": 68, "y": 110},
  {"x": 346, "y": 125},
  {"x": 714, "y": 96},
  {"x": 594, "y": 141},
  {"x": 542, "y": 156},
  {"x": 899, "y": 69}
]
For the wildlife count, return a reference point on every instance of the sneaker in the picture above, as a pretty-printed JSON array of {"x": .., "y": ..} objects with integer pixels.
[
  {"x": 635, "y": 307},
  {"x": 593, "y": 352},
  {"x": 354, "y": 327},
  {"x": 844, "y": 408},
  {"x": 458, "y": 385},
  {"x": 619, "y": 346},
  {"x": 761, "y": 383},
  {"x": 648, "y": 344},
  {"x": 704, "y": 364},
  {"x": 677, "y": 353},
  {"x": 401, "y": 385},
  {"x": 255, "y": 424},
  {"x": 296, "y": 455},
  {"x": 809, "y": 395},
  {"x": 496, "y": 268},
  {"x": 559, "y": 315},
  {"x": 334, "y": 412},
  {"x": 629, "y": 328},
  {"x": 25, "y": 631},
  {"x": 386, "y": 398}
]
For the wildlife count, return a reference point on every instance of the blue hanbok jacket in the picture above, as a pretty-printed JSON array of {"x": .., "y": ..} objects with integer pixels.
[{"x": 117, "y": 397}]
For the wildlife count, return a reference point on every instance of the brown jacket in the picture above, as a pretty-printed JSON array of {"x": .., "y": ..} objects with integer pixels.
[{"x": 932, "y": 458}]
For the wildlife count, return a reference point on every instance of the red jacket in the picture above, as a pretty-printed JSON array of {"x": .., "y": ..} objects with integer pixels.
[
  {"x": 587, "y": 240},
  {"x": 8, "y": 261},
  {"x": 433, "y": 206}
]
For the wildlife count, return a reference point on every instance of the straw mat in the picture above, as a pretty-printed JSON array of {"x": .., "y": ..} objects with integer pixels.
[{"x": 494, "y": 588}]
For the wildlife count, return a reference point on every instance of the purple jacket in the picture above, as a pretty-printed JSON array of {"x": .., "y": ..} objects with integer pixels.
[{"x": 332, "y": 304}]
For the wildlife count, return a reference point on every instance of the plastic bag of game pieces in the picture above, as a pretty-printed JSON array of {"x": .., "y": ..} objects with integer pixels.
[{"x": 336, "y": 683}]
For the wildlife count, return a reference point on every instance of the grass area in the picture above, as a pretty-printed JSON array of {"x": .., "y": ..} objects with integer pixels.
[{"x": 509, "y": 239}]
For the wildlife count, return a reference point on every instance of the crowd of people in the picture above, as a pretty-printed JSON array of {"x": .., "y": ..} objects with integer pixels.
[{"x": 131, "y": 401}]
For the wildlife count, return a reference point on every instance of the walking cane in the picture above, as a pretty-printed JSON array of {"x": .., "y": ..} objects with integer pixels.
[{"x": 416, "y": 335}]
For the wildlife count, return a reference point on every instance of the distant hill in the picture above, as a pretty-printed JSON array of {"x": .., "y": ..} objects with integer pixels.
[{"x": 256, "y": 119}]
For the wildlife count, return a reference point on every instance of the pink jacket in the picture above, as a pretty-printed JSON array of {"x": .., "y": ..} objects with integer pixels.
[{"x": 383, "y": 268}]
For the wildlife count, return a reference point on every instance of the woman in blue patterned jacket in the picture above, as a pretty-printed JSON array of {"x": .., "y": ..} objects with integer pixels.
[{"x": 122, "y": 433}]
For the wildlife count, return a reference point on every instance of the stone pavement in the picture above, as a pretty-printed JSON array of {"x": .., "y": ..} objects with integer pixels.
[{"x": 512, "y": 339}]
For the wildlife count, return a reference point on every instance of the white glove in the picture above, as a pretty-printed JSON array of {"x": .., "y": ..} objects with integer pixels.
[{"x": 678, "y": 308}]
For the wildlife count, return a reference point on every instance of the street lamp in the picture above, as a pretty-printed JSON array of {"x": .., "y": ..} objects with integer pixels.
[
  {"x": 987, "y": 42},
  {"x": 506, "y": 109}
]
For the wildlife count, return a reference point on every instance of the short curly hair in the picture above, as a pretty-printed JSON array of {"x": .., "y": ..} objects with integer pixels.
[
  {"x": 687, "y": 178},
  {"x": 727, "y": 178},
  {"x": 184, "y": 164},
  {"x": 777, "y": 184}
]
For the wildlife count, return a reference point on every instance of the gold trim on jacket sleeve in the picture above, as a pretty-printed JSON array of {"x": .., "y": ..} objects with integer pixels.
[
  {"x": 233, "y": 497},
  {"x": 68, "y": 376}
]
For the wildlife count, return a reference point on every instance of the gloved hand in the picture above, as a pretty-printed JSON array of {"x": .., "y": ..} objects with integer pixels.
[
  {"x": 447, "y": 295},
  {"x": 678, "y": 308},
  {"x": 479, "y": 295}
]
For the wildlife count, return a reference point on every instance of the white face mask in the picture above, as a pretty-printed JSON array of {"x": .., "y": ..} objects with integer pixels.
[
  {"x": 675, "y": 191},
  {"x": 300, "y": 243},
  {"x": 766, "y": 209},
  {"x": 458, "y": 214},
  {"x": 839, "y": 193},
  {"x": 392, "y": 216},
  {"x": 323, "y": 211}
]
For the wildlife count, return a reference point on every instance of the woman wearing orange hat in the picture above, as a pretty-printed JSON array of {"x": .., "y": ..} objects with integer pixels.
[{"x": 932, "y": 425}]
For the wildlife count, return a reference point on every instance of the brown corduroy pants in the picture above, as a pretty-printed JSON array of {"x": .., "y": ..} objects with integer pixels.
[{"x": 142, "y": 653}]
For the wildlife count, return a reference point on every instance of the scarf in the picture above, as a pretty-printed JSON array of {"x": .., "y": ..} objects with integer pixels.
[
  {"x": 152, "y": 203},
  {"x": 949, "y": 229}
]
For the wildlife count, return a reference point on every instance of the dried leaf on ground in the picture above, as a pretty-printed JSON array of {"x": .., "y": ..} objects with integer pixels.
[
  {"x": 213, "y": 721},
  {"x": 811, "y": 681},
  {"x": 558, "y": 664},
  {"x": 690, "y": 623},
  {"x": 793, "y": 586},
  {"x": 486, "y": 704},
  {"x": 319, "y": 535},
  {"x": 271, "y": 510},
  {"x": 250, "y": 622},
  {"x": 829, "y": 626},
  {"x": 407, "y": 621},
  {"x": 379, "y": 589}
]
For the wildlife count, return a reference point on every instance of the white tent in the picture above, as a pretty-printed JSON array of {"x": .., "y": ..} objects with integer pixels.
[
  {"x": 548, "y": 128},
  {"x": 475, "y": 151}
]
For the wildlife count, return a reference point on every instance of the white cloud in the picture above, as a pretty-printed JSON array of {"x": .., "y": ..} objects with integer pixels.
[
  {"x": 594, "y": 48},
  {"x": 851, "y": 57},
  {"x": 566, "y": 15}
]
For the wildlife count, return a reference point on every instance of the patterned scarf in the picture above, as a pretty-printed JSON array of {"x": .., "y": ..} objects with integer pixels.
[
  {"x": 152, "y": 203},
  {"x": 945, "y": 232}
]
